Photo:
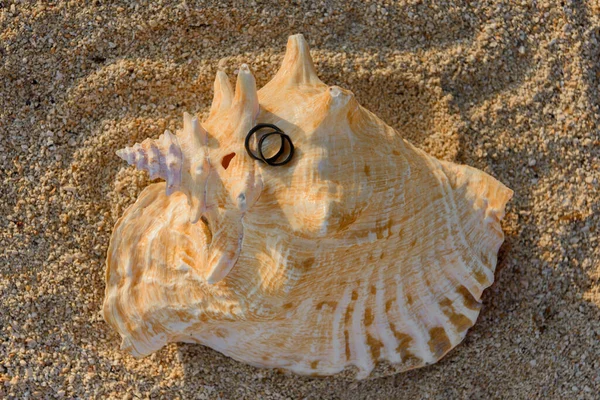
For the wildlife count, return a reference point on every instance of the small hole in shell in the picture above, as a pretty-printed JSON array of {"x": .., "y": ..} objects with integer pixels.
[{"x": 227, "y": 159}]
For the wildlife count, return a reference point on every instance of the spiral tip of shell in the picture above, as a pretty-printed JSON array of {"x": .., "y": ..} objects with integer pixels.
[
  {"x": 161, "y": 158},
  {"x": 127, "y": 155}
]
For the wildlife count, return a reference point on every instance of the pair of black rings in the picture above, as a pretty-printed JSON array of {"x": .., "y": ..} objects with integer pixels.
[{"x": 275, "y": 159}]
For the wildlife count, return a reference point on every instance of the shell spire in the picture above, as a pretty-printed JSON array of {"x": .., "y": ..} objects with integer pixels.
[{"x": 162, "y": 158}]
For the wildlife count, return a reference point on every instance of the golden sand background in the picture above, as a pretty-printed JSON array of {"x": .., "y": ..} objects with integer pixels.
[{"x": 510, "y": 87}]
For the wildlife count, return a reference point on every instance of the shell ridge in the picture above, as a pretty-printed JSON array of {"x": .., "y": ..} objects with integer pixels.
[
  {"x": 449, "y": 273},
  {"x": 297, "y": 68},
  {"x": 447, "y": 333},
  {"x": 224, "y": 244},
  {"x": 339, "y": 335},
  {"x": 449, "y": 195},
  {"x": 124, "y": 303},
  {"x": 358, "y": 347},
  {"x": 223, "y": 94},
  {"x": 382, "y": 322},
  {"x": 449, "y": 328},
  {"x": 429, "y": 316},
  {"x": 417, "y": 333},
  {"x": 466, "y": 278}
]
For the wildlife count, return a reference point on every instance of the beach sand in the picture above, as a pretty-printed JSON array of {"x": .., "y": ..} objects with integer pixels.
[{"x": 509, "y": 87}]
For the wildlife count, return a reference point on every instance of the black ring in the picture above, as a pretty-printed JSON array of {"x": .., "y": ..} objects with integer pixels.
[
  {"x": 279, "y": 152},
  {"x": 271, "y": 160},
  {"x": 252, "y": 131}
]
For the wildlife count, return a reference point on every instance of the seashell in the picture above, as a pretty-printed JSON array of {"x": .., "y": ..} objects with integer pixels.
[{"x": 361, "y": 250}]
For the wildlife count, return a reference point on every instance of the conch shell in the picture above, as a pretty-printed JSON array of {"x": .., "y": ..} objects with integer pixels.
[{"x": 362, "y": 250}]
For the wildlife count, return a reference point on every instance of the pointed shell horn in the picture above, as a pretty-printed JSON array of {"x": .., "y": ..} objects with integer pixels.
[
  {"x": 246, "y": 97},
  {"x": 245, "y": 88},
  {"x": 193, "y": 131},
  {"x": 297, "y": 67},
  {"x": 338, "y": 98},
  {"x": 335, "y": 103},
  {"x": 223, "y": 94}
]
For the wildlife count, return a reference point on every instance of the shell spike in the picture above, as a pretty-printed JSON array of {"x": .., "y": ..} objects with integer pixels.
[
  {"x": 335, "y": 102},
  {"x": 187, "y": 121},
  {"x": 245, "y": 90},
  {"x": 245, "y": 102},
  {"x": 297, "y": 67},
  {"x": 339, "y": 98},
  {"x": 223, "y": 94},
  {"x": 193, "y": 131},
  {"x": 199, "y": 132}
]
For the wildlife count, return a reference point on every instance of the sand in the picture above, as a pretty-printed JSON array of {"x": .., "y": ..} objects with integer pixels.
[{"x": 510, "y": 87}]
